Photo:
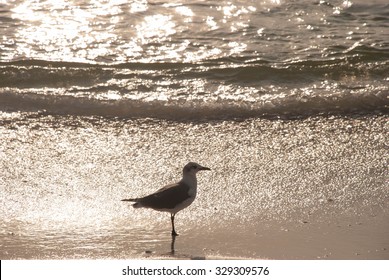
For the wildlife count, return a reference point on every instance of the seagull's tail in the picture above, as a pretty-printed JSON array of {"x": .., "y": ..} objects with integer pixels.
[{"x": 135, "y": 205}]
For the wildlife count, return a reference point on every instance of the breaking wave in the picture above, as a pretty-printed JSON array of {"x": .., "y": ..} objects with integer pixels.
[{"x": 218, "y": 89}]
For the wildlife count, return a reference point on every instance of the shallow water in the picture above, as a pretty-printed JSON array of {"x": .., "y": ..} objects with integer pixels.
[{"x": 63, "y": 179}]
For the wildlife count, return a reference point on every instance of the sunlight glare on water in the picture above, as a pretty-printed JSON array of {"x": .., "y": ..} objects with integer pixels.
[
  {"x": 100, "y": 31},
  {"x": 286, "y": 102},
  {"x": 68, "y": 32}
]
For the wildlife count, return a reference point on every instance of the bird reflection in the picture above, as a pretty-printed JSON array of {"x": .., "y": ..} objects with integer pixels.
[{"x": 172, "y": 244}]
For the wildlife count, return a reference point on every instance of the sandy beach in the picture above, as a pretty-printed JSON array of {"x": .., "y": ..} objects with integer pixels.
[{"x": 310, "y": 188}]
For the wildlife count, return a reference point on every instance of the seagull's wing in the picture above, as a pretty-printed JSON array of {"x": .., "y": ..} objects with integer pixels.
[{"x": 167, "y": 197}]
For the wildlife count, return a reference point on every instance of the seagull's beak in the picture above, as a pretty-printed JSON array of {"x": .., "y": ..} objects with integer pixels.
[{"x": 204, "y": 168}]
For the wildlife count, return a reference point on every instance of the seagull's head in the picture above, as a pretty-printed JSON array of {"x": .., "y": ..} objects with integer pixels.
[{"x": 193, "y": 168}]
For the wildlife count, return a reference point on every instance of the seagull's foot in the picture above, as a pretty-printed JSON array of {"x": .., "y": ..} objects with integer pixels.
[{"x": 174, "y": 233}]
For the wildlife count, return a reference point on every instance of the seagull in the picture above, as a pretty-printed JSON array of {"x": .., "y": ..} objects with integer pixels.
[{"x": 174, "y": 197}]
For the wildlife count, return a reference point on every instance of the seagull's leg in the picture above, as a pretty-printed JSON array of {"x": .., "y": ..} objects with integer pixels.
[{"x": 174, "y": 233}]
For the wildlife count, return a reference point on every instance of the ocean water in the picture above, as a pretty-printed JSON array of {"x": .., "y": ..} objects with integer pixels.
[
  {"x": 286, "y": 101},
  {"x": 194, "y": 59}
]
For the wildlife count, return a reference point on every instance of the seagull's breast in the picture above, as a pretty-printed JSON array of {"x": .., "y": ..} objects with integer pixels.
[
  {"x": 190, "y": 196},
  {"x": 192, "y": 191}
]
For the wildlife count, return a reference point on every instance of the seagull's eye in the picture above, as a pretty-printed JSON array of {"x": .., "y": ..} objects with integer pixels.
[{"x": 194, "y": 166}]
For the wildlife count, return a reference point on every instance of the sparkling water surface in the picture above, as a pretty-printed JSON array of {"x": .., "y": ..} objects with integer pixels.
[{"x": 286, "y": 102}]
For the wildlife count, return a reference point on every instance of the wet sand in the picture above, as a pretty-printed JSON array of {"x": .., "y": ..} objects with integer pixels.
[
  {"x": 313, "y": 188},
  {"x": 335, "y": 238}
]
